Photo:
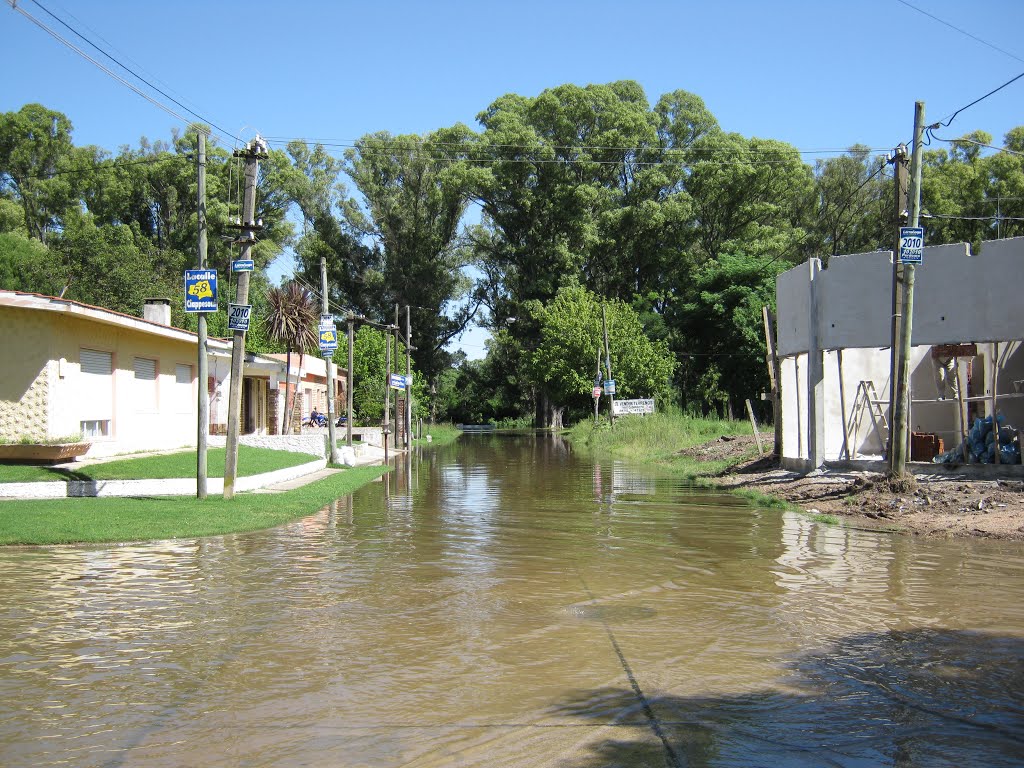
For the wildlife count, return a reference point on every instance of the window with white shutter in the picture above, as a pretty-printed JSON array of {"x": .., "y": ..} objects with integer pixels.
[
  {"x": 183, "y": 387},
  {"x": 145, "y": 384},
  {"x": 95, "y": 396}
]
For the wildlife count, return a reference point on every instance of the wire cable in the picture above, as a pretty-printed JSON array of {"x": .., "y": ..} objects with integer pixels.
[
  {"x": 976, "y": 143},
  {"x": 961, "y": 31},
  {"x": 112, "y": 74},
  {"x": 945, "y": 123}
]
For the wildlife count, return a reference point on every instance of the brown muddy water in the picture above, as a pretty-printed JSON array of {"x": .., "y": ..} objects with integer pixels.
[{"x": 506, "y": 602}]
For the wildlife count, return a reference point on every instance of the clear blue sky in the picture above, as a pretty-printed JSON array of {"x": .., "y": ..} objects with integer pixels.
[{"x": 819, "y": 75}]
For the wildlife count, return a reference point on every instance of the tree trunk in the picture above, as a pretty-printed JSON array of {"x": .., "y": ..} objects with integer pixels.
[
  {"x": 540, "y": 411},
  {"x": 286, "y": 427},
  {"x": 555, "y": 417}
]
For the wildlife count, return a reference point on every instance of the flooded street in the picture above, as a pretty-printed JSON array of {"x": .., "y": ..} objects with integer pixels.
[{"x": 505, "y": 602}]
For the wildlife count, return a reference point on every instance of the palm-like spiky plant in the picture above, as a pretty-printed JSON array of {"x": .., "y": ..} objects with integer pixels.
[{"x": 292, "y": 319}]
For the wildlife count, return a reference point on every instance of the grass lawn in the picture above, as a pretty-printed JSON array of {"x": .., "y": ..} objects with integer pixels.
[
  {"x": 251, "y": 461},
  {"x": 63, "y": 521}
]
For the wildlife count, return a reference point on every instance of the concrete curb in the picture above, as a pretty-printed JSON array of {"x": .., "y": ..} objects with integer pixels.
[{"x": 183, "y": 486}]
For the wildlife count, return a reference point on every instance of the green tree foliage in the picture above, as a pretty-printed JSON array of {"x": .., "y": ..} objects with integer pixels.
[
  {"x": 853, "y": 209},
  {"x": 571, "y": 339},
  {"x": 719, "y": 330},
  {"x": 401, "y": 246},
  {"x": 39, "y": 165}
]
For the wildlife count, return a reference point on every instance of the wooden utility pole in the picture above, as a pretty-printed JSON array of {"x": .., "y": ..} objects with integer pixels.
[
  {"x": 203, "y": 426},
  {"x": 608, "y": 362},
  {"x": 900, "y": 217},
  {"x": 774, "y": 376},
  {"x": 397, "y": 399},
  {"x": 387, "y": 391},
  {"x": 348, "y": 382},
  {"x": 332, "y": 451},
  {"x": 409, "y": 376},
  {"x": 252, "y": 154},
  {"x": 898, "y": 462}
]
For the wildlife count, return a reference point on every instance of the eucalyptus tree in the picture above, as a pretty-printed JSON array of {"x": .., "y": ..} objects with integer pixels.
[
  {"x": 415, "y": 191},
  {"x": 40, "y": 168},
  {"x": 853, "y": 207}
]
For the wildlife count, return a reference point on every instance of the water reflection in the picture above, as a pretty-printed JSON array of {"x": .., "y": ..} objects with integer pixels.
[{"x": 507, "y": 602}]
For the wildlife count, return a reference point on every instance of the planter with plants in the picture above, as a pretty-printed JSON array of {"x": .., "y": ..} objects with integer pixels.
[{"x": 52, "y": 451}]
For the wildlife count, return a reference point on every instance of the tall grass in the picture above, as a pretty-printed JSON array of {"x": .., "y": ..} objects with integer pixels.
[
  {"x": 656, "y": 437},
  {"x": 440, "y": 434}
]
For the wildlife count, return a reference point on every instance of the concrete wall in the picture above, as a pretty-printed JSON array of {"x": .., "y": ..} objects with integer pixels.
[
  {"x": 959, "y": 298},
  {"x": 314, "y": 445}
]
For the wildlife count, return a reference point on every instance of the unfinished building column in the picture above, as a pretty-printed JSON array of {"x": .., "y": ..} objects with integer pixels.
[{"x": 815, "y": 373}]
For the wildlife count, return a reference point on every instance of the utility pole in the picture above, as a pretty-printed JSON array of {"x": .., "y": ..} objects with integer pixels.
[
  {"x": 898, "y": 461},
  {"x": 332, "y": 451},
  {"x": 387, "y": 390},
  {"x": 397, "y": 335},
  {"x": 408, "y": 376},
  {"x": 252, "y": 154},
  {"x": 201, "y": 362},
  {"x": 608, "y": 363},
  {"x": 901, "y": 214},
  {"x": 348, "y": 382},
  {"x": 597, "y": 383}
]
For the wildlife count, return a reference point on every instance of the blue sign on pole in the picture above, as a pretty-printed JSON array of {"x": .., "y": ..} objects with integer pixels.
[
  {"x": 328, "y": 339},
  {"x": 243, "y": 265},
  {"x": 911, "y": 245},
  {"x": 609, "y": 386},
  {"x": 200, "y": 290},
  {"x": 397, "y": 381}
]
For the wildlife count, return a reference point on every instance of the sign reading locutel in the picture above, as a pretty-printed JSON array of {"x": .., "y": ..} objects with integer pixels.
[
  {"x": 627, "y": 407},
  {"x": 200, "y": 290}
]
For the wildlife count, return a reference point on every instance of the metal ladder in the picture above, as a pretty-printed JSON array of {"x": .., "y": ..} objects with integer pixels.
[{"x": 867, "y": 400}]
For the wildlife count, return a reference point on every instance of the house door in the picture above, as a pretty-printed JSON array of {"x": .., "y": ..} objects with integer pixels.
[{"x": 254, "y": 406}]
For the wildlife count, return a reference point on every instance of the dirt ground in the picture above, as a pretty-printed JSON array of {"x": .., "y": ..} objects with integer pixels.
[{"x": 939, "y": 505}]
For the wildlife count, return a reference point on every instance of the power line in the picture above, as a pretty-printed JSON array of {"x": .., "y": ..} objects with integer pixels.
[
  {"x": 366, "y": 143},
  {"x": 961, "y": 31},
  {"x": 951, "y": 118},
  {"x": 970, "y": 218},
  {"x": 56, "y": 35},
  {"x": 107, "y": 166},
  {"x": 976, "y": 143}
]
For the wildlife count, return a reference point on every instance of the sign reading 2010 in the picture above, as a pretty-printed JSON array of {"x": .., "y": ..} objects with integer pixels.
[
  {"x": 911, "y": 245},
  {"x": 238, "y": 317},
  {"x": 200, "y": 290}
]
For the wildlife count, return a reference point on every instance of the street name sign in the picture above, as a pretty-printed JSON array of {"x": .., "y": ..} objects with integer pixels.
[
  {"x": 397, "y": 381},
  {"x": 243, "y": 265}
]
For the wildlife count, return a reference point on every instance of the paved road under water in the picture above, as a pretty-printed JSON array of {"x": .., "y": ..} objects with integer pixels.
[{"x": 505, "y": 602}]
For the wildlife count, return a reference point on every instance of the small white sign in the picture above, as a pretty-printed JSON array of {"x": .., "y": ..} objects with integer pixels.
[{"x": 627, "y": 407}]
